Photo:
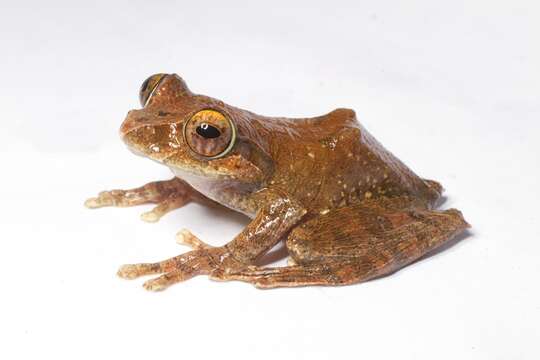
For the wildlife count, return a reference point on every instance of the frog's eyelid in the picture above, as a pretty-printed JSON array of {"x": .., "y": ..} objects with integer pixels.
[{"x": 163, "y": 76}]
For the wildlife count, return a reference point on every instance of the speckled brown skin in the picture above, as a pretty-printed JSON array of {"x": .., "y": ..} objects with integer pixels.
[{"x": 347, "y": 209}]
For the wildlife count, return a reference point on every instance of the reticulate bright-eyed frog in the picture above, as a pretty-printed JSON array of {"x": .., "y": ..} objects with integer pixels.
[{"x": 347, "y": 209}]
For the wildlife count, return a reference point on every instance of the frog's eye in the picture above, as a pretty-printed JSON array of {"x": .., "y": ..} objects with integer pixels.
[
  {"x": 209, "y": 133},
  {"x": 148, "y": 87}
]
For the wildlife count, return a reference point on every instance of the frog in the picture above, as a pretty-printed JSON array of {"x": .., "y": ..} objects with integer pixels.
[{"x": 345, "y": 208}]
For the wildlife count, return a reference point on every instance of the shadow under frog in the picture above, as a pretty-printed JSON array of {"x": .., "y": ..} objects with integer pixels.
[{"x": 346, "y": 208}]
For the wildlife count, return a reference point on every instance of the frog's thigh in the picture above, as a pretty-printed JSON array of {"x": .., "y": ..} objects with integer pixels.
[{"x": 356, "y": 244}]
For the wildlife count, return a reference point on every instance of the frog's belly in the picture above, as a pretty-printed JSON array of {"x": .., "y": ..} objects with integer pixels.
[{"x": 229, "y": 193}]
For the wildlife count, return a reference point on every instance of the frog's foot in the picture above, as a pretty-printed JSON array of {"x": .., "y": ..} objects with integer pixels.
[
  {"x": 168, "y": 195},
  {"x": 186, "y": 237},
  {"x": 207, "y": 261},
  {"x": 172, "y": 202}
]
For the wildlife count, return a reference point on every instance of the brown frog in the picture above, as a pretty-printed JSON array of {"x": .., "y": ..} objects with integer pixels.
[{"x": 347, "y": 209}]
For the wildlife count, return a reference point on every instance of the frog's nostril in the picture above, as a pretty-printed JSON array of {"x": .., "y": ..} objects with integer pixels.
[{"x": 130, "y": 123}]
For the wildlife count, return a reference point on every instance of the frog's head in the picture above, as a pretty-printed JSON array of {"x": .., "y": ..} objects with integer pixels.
[{"x": 194, "y": 134}]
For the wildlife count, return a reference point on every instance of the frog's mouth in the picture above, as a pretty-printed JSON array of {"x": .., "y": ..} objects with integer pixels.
[
  {"x": 170, "y": 151},
  {"x": 153, "y": 155},
  {"x": 185, "y": 167},
  {"x": 137, "y": 152},
  {"x": 211, "y": 169}
]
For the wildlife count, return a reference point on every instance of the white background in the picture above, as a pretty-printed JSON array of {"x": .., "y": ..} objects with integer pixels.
[{"x": 451, "y": 87}]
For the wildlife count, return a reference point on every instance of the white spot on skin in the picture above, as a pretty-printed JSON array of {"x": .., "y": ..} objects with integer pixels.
[
  {"x": 311, "y": 155},
  {"x": 325, "y": 211},
  {"x": 368, "y": 195}
]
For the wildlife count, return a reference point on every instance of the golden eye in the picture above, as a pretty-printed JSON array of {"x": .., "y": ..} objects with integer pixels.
[
  {"x": 209, "y": 133},
  {"x": 148, "y": 87}
]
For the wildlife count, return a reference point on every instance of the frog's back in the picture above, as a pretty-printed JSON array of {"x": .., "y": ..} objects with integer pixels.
[{"x": 331, "y": 161}]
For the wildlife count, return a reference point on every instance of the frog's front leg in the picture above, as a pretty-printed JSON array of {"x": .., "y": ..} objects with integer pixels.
[
  {"x": 168, "y": 195},
  {"x": 272, "y": 222}
]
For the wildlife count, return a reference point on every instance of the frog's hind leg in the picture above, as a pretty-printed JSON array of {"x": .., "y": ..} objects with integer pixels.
[
  {"x": 168, "y": 195},
  {"x": 436, "y": 191},
  {"x": 288, "y": 276},
  {"x": 435, "y": 185},
  {"x": 356, "y": 244}
]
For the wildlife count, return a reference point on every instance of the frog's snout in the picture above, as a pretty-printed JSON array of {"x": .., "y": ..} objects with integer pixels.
[
  {"x": 134, "y": 119},
  {"x": 137, "y": 130},
  {"x": 149, "y": 136}
]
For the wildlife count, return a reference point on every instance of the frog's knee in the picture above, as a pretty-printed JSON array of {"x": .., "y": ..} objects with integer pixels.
[
  {"x": 299, "y": 244},
  {"x": 435, "y": 190}
]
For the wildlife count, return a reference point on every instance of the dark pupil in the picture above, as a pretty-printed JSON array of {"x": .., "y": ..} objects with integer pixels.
[{"x": 207, "y": 131}]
